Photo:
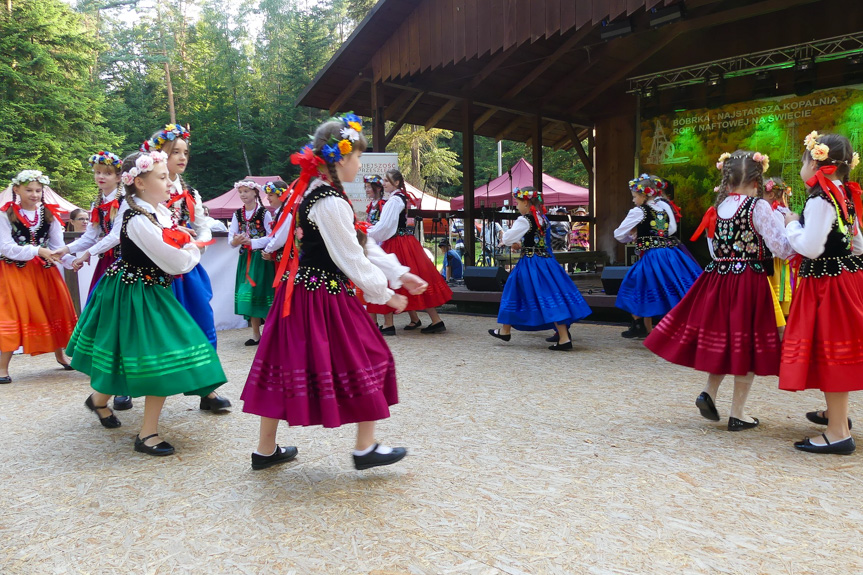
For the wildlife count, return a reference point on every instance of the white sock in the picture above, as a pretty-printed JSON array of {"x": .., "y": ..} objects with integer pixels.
[
  {"x": 267, "y": 455},
  {"x": 378, "y": 448}
]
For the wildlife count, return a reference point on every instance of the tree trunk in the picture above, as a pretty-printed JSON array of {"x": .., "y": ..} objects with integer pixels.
[
  {"x": 170, "y": 87},
  {"x": 415, "y": 157}
]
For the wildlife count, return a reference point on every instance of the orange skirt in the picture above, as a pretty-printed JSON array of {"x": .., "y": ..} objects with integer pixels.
[{"x": 36, "y": 309}]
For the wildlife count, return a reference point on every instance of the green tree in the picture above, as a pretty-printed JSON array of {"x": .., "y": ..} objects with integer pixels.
[{"x": 422, "y": 160}]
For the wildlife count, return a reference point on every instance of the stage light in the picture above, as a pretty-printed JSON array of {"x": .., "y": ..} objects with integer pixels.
[
  {"x": 649, "y": 101},
  {"x": 765, "y": 85},
  {"x": 715, "y": 91},
  {"x": 615, "y": 29},
  {"x": 662, "y": 16},
  {"x": 804, "y": 76}
]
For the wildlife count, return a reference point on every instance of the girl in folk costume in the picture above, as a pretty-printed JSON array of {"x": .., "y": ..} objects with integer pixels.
[
  {"x": 726, "y": 322},
  {"x": 37, "y": 310},
  {"x": 538, "y": 294},
  {"x": 776, "y": 192},
  {"x": 250, "y": 226},
  {"x": 393, "y": 235},
  {"x": 823, "y": 345},
  {"x": 663, "y": 273},
  {"x": 374, "y": 186},
  {"x": 321, "y": 361},
  {"x": 275, "y": 243},
  {"x": 106, "y": 173},
  {"x": 134, "y": 338}
]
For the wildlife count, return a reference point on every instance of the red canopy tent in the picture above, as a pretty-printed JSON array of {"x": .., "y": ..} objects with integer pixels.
[
  {"x": 51, "y": 197},
  {"x": 224, "y": 206},
  {"x": 555, "y": 192}
]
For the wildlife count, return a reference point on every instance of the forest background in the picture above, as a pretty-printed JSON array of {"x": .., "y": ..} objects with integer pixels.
[{"x": 79, "y": 76}]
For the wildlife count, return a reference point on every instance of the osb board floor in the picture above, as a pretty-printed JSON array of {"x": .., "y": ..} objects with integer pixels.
[{"x": 521, "y": 461}]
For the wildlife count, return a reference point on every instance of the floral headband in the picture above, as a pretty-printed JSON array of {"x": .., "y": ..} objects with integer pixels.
[
  {"x": 143, "y": 164},
  {"x": 337, "y": 148},
  {"x": 758, "y": 157},
  {"x": 27, "y": 176},
  {"x": 648, "y": 185},
  {"x": 272, "y": 188},
  {"x": 770, "y": 184},
  {"x": 375, "y": 179},
  {"x": 821, "y": 152},
  {"x": 167, "y": 134},
  {"x": 527, "y": 194},
  {"x": 249, "y": 184},
  {"x": 106, "y": 159}
]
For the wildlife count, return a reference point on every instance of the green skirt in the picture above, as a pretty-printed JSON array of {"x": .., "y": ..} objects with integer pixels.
[
  {"x": 254, "y": 301},
  {"x": 136, "y": 339}
]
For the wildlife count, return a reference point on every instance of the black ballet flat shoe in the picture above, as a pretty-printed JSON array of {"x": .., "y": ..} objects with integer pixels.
[
  {"x": 5, "y": 379},
  {"x": 160, "y": 449},
  {"x": 498, "y": 335},
  {"x": 281, "y": 455},
  {"x": 561, "y": 346},
  {"x": 66, "y": 366},
  {"x": 705, "y": 405},
  {"x": 844, "y": 447},
  {"x": 250, "y": 342},
  {"x": 375, "y": 459},
  {"x": 391, "y": 330},
  {"x": 818, "y": 417},
  {"x": 438, "y": 327},
  {"x": 556, "y": 337},
  {"x": 735, "y": 424},
  {"x": 122, "y": 402},
  {"x": 110, "y": 422},
  {"x": 217, "y": 403},
  {"x": 413, "y": 325}
]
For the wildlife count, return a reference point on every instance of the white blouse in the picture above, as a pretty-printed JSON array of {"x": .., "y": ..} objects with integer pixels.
[
  {"x": 819, "y": 215},
  {"x": 765, "y": 221},
  {"x": 279, "y": 240},
  {"x": 148, "y": 237},
  {"x": 516, "y": 231},
  {"x": 371, "y": 271},
  {"x": 91, "y": 235},
  {"x": 257, "y": 243},
  {"x": 200, "y": 226},
  {"x": 625, "y": 232},
  {"x": 10, "y": 248},
  {"x": 389, "y": 222},
  {"x": 111, "y": 240}
]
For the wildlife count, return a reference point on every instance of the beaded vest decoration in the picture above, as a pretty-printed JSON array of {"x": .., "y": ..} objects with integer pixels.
[
  {"x": 402, "y": 229},
  {"x": 374, "y": 210},
  {"x": 736, "y": 244},
  {"x": 33, "y": 236},
  {"x": 136, "y": 266},
  {"x": 533, "y": 243},
  {"x": 837, "y": 257},
  {"x": 652, "y": 230}
]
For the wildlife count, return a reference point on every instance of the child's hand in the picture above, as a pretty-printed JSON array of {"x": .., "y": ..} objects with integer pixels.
[
  {"x": 398, "y": 303},
  {"x": 61, "y": 252},
  {"x": 516, "y": 246},
  {"x": 791, "y": 217},
  {"x": 47, "y": 255},
  {"x": 238, "y": 239},
  {"x": 414, "y": 284},
  {"x": 267, "y": 256},
  {"x": 78, "y": 263}
]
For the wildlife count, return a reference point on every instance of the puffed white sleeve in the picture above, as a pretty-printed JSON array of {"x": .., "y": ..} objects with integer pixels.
[
  {"x": 175, "y": 261},
  {"x": 9, "y": 248},
  {"x": 86, "y": 240},
  {"x": 516, "y": 231},
  {"x": 55, "y": 235},
  {"x": 389, "y": 222},
  {"x": 770, "y": 229},
  {"x": 279, "y": 240},
  {"x": 625, "y": 232},
  {"x": 233, "y": 230},
  {"x": 387, "y": 263},
  {"x": 111, "y": 240},
  {"x": 809, "y": 240},
  {"x": 204, "y": 234},
  {"x": 261, "y": 243},
  {"x": 335, "y": 220}
]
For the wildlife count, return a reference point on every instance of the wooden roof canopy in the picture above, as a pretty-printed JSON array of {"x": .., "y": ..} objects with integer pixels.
[{"x": 514, "y": 59}]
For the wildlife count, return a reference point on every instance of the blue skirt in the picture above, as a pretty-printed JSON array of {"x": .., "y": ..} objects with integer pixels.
[
  {"x": 657, "y": 282},
  {"x": 194, "y": 292},
  {"x": 538, "y": 294}
]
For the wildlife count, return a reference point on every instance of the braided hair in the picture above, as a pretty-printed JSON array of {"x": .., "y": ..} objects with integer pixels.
[
  {"x": 10, "y": 212},
  {"x": 131, "y": 190},
  {"x": 840, "y": 155},
  {"x": 738, "y": 170},
  {"x": 396, "y": 177}
]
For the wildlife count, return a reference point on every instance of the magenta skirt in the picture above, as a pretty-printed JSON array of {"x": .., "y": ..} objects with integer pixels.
[
  {"x": 104, "y": 262},
  {"x": 324, "y": 364}
]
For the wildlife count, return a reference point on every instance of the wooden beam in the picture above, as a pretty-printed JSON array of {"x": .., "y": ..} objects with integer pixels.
[
  {"x": 510, "y": 127},
  {"x": 379, "y": 126},
  {"x": 576, "y": 143},
  {"x": 349, "y": 91},
  {"x": 493, "y": 65},
  {"x": 396, "y": 105},
  {"x": 484, "y": 118},
  {"x": 401, "y": 121},
  {"x": 442, "y": 111}
]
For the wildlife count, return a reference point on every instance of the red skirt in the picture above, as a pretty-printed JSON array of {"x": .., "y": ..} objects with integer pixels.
[
  {"x": 411, "y": 254},
  {"x": 725, "y": 324},
  {"x": 36, "y": 309},
  {"x": 823, "y": 344}
]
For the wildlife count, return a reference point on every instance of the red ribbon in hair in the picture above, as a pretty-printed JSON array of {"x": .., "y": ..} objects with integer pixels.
[
  {"x": 17, "y": 209},
  {"x": 190, "y": 203},
  {"x": 708, "y": 223},
  {"x": 106, "y": 207},
  {"x": 56, "y": 211},
  {"x": 838, "y": 195}
]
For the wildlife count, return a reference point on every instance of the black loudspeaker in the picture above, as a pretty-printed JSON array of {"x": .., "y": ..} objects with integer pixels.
[
  {"x": 477, "y": 278},
  {"x": 612, "y": 277}
]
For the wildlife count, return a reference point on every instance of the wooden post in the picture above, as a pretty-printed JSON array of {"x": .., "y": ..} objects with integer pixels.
[
  {"x": 468, "y": 162},
  {"x": 379, "y": 128},
  {"x": 537, "y": 152}
]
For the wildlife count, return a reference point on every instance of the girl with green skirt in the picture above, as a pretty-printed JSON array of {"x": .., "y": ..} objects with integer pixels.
[{"x": 134, "y": 338}]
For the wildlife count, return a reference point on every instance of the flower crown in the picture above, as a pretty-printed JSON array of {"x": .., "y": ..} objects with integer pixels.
[
  {"x": 374, "y": 179},
  {"x": 758, "y": 157},
  {"x": 647, "y": 185},
  {"x": 249, "y": 184},
  {"x": 106, "y": 159},
  {"x": 770, "y": 184},
  {"x": 272, "y": 188},
  {"x": 27, "y": 176},
  {"x": 143, "y": 164},
  {"x": 821, "y": 152},
  {"x": 337, "y": 148},
  {"x": 527, "y": 194},
  {"x": 169, "y": 133}
]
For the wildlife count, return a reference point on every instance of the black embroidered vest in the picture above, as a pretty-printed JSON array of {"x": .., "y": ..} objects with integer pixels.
[
  {"x": 836, "y": 257},
  {"x": 179, "y": 210},
  {"x": 106, "y": 222},
  {"x": 136, "y": 266},
  {"x": 737, "y": 245},
  {"x": 533, "y": 243},
  {"x": 652, "y": 230},
  {"x": 402, "y": 229},
  {"x": 373, "y": 211},
  {"x": 35, "y": 236}
]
